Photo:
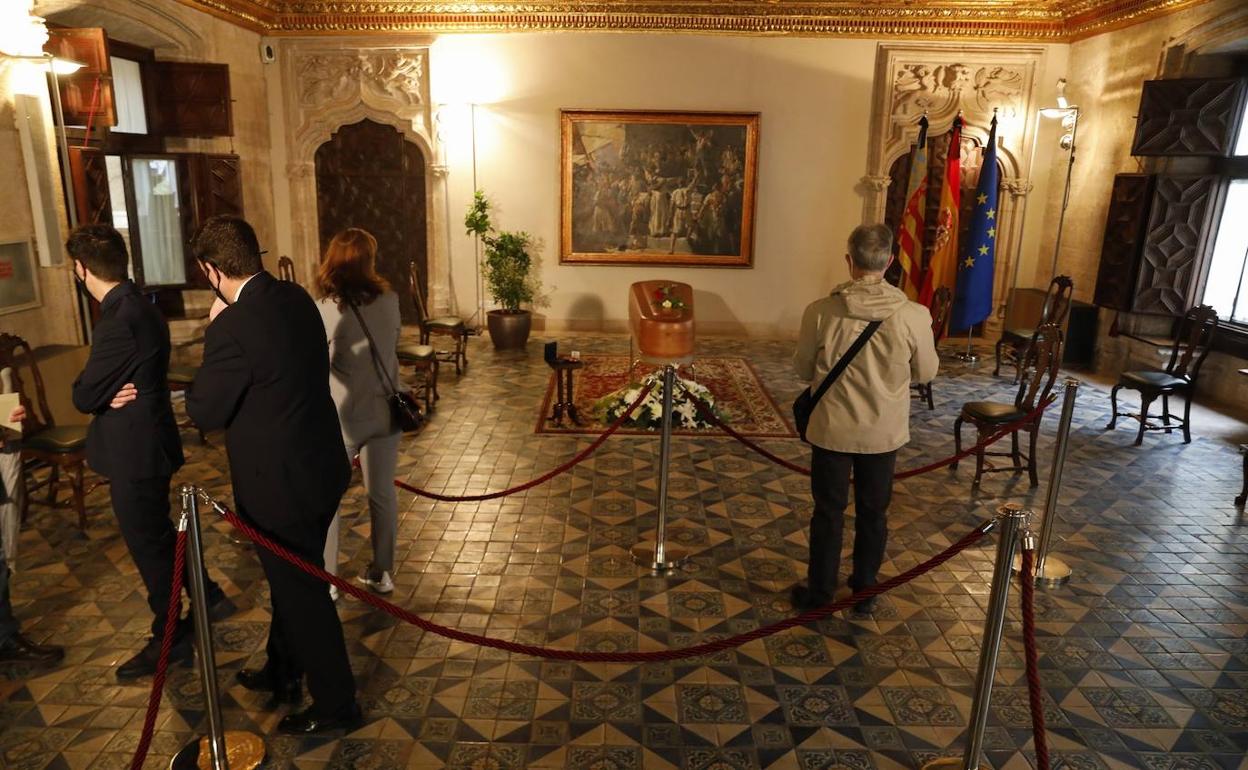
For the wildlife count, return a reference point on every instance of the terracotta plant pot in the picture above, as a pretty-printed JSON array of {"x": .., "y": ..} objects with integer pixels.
[{"x": 509, "y": 330}]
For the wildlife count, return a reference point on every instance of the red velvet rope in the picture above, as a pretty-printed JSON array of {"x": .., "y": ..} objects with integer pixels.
[
  {"x": 707, "y": 648},
  {"x": 166, "y": 644},
  {"x": 579, "y": 458},
  {"x": 1034, "y": 693},
  {"x": 1009, "y": 428}
]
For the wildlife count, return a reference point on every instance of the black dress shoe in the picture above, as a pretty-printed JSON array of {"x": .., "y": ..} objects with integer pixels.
[
  {"x": 308, "y": 723},
  {"x": 805, "y": 599},
  {"x": 260, "y": 680},
  {"x": 866, "y": 606},
  {"x": 19, "y": 649},
  {"x": 145, "y": 661}
]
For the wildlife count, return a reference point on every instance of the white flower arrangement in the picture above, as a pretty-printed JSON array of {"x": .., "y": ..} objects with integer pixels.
[{"x": 649, "y": 413}]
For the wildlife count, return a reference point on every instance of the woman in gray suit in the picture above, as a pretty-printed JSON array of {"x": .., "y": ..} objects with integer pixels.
[{"x": 347, "y": 278}]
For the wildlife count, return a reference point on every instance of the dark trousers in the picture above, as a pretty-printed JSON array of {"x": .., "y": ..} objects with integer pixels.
[
  {"x": 142, "y": 510},
  {"x": 305, "y": 635},
  {"x": 873, "y": 490}
]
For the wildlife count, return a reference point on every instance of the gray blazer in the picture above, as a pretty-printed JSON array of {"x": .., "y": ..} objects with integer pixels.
[{"x": 354, "y": 381}]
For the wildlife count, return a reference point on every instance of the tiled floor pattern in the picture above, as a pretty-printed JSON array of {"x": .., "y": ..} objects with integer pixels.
[{"x": 1144, "y": 656}]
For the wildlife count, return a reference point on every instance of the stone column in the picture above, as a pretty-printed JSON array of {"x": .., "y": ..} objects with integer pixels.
[
  {"x": 1009, "y": 246},
  {"x": 305, "y": 238},
  {"x": 875, "y": 197},
  {"x": 442, "y": 300}
]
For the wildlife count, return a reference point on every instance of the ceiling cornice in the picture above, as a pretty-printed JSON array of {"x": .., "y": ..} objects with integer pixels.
[{"x": 1030, "y": 20}]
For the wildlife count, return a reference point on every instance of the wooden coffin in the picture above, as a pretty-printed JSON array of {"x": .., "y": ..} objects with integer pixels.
[{"x": 662, "y": 335}]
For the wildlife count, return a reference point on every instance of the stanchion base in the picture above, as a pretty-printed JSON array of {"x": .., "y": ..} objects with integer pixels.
[
  {"x": 967, "y": 358},
  {"x": 644, "y": 554},
  {"x": 943, "y": 762},
  {"x": 243, "y": 751},
  {"x": 1055, "y": 573}
]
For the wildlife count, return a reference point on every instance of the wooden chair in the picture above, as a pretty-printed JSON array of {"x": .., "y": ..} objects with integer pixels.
[
  {"x": 424, "y": 362},
  {"x": 942, "y": 304},
  {"x": 1039, "y": 368},
  {"x": 44, "y": 443},
  {"x": 1191, "y": 347},
  {"x": 1012, "y": 347},
  {"x": 445, "y": 326},
  {"x": 286, "y": 269}
]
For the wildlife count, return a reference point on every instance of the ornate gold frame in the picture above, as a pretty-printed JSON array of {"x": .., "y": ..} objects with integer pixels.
[
  {"x": 743, "y": 260},
  {"x": 1031, "y": 20}
]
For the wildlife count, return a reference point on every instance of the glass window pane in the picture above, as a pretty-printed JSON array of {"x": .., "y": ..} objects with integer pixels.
[
  {"x": 117, "y": 201},
  {"x": 1227, "y": 277},
  {"x": 128, "y": 95},
  {"x": 1241, "y": 144},
  {"x": 159, "y": 221}
]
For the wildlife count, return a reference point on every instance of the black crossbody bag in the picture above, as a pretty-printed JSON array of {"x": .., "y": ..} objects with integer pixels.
[
  {"x": 403, "y": 408},
  {"x": 804, "y": 405}
]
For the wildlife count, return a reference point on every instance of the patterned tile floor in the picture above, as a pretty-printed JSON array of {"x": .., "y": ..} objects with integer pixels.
[{"x": 1144, "y": 655}]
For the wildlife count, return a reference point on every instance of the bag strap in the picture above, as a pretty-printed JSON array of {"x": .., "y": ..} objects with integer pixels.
[
  {"x": 841, "y": 365},
  {"x": 382, "y": 374}
]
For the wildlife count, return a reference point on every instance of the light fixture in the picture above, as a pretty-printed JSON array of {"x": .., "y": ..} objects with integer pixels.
[
  {"x": 65, "y": 66},
  {"x": 1061, "y": 93}
]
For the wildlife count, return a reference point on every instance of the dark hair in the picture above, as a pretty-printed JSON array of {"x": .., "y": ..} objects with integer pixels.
[
  {"x": 348, "y": 273},
  {"x": 229, "y": 244},
  {"x": 100, "y": 249}
]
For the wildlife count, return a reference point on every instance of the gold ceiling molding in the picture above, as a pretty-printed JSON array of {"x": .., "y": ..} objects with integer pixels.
[{"x": 1032, "y": 20}]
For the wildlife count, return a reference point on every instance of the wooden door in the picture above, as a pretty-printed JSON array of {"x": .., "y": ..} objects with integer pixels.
[{"x": 369, "y": 176}]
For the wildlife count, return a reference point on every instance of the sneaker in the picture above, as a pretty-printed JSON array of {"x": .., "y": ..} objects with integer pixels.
[{"x": 379, "y": 581}]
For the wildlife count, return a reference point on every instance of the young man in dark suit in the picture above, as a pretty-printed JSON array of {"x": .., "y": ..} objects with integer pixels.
[
  {"x": 265, "y": 379},
  {"x": 133, "y": 438}
]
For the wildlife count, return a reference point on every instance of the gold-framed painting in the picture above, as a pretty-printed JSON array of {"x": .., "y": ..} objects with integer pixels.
[{"x": 658, "y": 188}]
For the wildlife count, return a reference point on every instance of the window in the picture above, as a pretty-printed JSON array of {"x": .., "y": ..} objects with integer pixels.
[
  {"x": 128, "y": 90},
  {"x": 1226, "y": 288}
]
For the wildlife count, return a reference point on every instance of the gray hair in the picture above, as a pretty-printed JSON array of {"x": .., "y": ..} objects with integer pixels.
[{"x": 870, "y": 247}]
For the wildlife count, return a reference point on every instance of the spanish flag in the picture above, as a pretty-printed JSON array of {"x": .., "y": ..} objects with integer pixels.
[
  {"x": 910, "y": 231},
  {"x": 942, "y": 270}
]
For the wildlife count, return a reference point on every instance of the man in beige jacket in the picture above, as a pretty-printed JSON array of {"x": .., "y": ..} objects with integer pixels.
[{"x": 864, "y": 417}]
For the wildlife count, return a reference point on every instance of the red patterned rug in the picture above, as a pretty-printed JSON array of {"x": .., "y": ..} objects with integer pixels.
[{"x": 739, "y": 395}]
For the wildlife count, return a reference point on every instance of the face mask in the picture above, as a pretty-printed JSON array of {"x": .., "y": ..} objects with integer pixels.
[
  {"x": 217, "y": 288},
  {"x": 80, "y": 281}
]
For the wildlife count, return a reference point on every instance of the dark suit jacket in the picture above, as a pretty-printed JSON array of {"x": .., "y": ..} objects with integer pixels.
[
  {"x": 265, "y": 379},
  {"x": 131, "y": 344}
]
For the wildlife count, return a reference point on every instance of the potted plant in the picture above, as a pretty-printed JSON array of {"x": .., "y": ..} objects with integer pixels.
[{"x": 506, "y": 267}]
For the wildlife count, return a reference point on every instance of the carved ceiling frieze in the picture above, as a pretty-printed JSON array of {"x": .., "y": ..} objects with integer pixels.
[{"x": 1035, "y": 20}]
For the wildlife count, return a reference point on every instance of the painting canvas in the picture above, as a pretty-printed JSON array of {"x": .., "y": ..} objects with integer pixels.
[
  {"x": 670, "y": 188},
  {"x": 19, "y": 287}
]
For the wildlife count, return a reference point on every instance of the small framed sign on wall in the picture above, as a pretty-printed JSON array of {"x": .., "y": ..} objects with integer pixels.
[
  {"x": 658, "y": 188},
  {"x": 19, "y": 285}
]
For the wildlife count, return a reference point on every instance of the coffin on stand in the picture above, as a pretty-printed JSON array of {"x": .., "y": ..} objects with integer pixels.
[{"x": 663, "y": 336}]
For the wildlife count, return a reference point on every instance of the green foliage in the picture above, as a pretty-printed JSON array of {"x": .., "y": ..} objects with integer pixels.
[{"x": 507, "y": 259}]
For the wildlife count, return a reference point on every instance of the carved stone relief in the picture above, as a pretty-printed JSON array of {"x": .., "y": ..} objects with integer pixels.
[{"x": 397, "y": 76}]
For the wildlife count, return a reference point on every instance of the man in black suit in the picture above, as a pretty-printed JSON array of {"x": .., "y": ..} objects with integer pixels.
[
  {"x": 265, "y": 379},
  {"x": 133, "y": 438}
]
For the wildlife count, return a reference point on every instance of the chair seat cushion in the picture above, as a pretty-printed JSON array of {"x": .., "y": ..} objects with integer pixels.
[
  {"x": 1018, "y": 334},
  {"x": 445, "y": 322},
  {"x": 182, "y": 375},
  {"x": 58, "y": 438},
  {"x": 413, "y": 352},
  {"x": 1159, "y": 380},
  {"x": 991, "y": 412}
]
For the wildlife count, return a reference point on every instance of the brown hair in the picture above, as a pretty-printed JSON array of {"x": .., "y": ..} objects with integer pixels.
[{"x": 348, "y": 272}]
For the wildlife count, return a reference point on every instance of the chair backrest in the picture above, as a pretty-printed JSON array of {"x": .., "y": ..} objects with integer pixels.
[
  {"x": 1193, "y": 342},
  {"x": 286, "y": 269},
  {"x": 1056, "y": 301},
  {"x": 15, "y": 354},
  {"x": 942, "y": 304},
  {"x": 418, "y": 298},
  {"x": 1040, "y": 365}
]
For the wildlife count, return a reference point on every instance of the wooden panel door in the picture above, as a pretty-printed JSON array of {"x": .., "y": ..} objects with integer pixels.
[
  {"x": 193, "y": 99},
  {"x": 90, "y": 176},
  {"x": 369, "y": 176},
  {"x": 1124, "y": 240},
  {"x": 218, "y": 185},
  {"x": 86, "y": 95},
  {"x": 1177, "y": 224},
  {"x": 1189, "y": 116}
]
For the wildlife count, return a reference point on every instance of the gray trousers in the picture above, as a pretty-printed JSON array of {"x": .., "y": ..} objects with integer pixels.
[
  {"x": 378, "y": 459},
  {"x": 10, "y": 507}
]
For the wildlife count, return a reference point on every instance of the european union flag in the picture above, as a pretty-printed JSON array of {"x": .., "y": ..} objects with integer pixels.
[{"x": 972, "y": 300}]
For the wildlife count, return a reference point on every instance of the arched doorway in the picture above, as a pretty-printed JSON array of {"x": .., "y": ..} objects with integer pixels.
[{"x": 369, "y": 175}]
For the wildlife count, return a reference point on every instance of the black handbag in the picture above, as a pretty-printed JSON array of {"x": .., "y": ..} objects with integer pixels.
[
  {"x": 404, "y": 410},
  {"x": 804, "y": 405}
]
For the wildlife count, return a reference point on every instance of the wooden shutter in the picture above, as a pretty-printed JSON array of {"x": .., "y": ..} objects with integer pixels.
[
  {"x": 91, "y": 196},
  {"x": 1124, "y": 239},
  {"x": 1177, "y": 224},
  {"x": 86, "y": 95},
  {"x": 193, "y": 99},
  {"x": 218, "y": 185},
  {"x": 1189, "y": 116}
]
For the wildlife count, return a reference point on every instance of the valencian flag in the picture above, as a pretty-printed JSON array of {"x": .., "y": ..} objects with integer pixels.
[
  {"x": 973, "y": 299},
  {"x": 942, "y": 269},
  {"x": 910, "y": 232}
]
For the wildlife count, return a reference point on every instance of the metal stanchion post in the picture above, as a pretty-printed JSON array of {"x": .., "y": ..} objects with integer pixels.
[
  {"x": 970, "y": 357},
  {"x": 1010, "y": 520},
  {"x": 1050, "y": 570},
  {"x": 234, "y": 749},
  {"x": 659, "y": 556}
]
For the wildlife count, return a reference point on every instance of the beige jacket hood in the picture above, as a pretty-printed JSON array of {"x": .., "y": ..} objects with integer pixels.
[{"x": 867, "y": 410}]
